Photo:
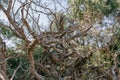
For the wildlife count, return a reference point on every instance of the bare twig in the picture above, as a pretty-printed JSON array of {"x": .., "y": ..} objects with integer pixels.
[{"x": 14, "y": 73}]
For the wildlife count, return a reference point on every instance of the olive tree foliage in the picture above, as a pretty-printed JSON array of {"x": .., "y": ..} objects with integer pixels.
[
  {"x": 95, "y": 12},
  {"x": 102, "y": 35},
  {"x": 67, "y": 49}
]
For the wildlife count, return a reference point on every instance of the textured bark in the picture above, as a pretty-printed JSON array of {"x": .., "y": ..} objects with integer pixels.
[
  {"x": 32, "y": 62},
  {"x": 3, "y": 75}
]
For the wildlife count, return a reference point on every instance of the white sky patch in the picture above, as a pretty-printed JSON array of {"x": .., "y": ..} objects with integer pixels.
[
  {"x": 108, "y": 21},
  {"x": 2, "y": 16},
  {"x": 10, "y": 44}
]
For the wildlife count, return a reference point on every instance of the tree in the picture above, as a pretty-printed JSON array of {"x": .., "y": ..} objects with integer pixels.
[
  {"x": 2, "y": 60},
  {"x": 65, "y": 47}
]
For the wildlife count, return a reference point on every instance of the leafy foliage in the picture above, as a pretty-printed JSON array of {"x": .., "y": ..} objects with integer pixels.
[{"x": 6, "y": 32}]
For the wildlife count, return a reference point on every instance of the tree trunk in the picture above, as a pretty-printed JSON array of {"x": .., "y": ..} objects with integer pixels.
[
  {"x": 32, "y": 62},
  {"x": 3, "y": 75}
]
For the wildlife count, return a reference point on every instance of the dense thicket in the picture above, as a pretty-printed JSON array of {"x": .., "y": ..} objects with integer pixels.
[{"x": 79, "y": 41}]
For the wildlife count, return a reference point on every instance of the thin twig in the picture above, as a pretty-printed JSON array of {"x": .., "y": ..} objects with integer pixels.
[{"x": 15, "y": 71}]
